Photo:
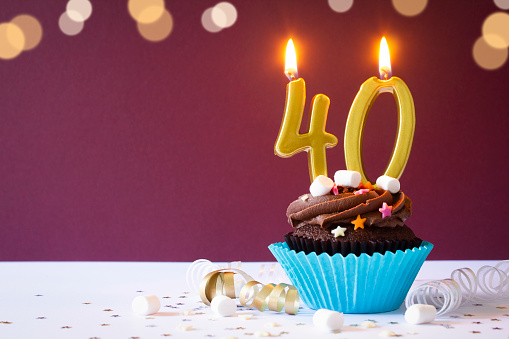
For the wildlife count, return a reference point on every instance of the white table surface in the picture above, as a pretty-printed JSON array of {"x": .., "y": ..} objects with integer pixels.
[{"x": 93, "y": 300}]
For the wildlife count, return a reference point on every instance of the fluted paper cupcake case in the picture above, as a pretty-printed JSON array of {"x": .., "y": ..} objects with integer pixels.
[{"x": 352, "y": 284}]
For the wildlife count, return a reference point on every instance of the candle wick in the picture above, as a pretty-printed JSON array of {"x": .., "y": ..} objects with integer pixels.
[{"x": 290, "y": 76}]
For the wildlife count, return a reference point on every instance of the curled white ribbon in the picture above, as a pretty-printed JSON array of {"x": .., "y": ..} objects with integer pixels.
[{"x": 490, "y": 283}]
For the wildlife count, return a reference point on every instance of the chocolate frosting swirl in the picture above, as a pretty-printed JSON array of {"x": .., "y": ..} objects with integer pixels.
[{"x": 330, "y": 209}]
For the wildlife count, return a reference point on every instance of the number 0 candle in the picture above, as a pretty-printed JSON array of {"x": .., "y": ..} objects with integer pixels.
[
  {"x": 365, "y": 98},
  {"x": 316, "y": 140}
]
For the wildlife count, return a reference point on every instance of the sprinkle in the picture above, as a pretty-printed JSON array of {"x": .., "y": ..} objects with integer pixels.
[
  {"x": 387, "y": 333},
  {"x": 115, "y": 316},
  {"x": 108, "y": 310},
  {"x": 495, "y": 319},
  {"x": 339, "y": 231},
  {"x": 468, "y": 315},
  {"x": 361, "y": 191},
  {"x": 151, "y": 325},
  {"x": 414, "y": 333},
  {"x": 182, "y": 297},
  {"x": 186, "y": 312},
  {"x": 496, "y": 328},
  {"x": 40, "y": 318},
  {"x": 180, "y": 304},
  {"x": 86, "y": 303},
  {"x": 105, "y": 324},
  {"x": 359, "y": 222},
  {"x": 335, "y": 190},
  {"x": 476, "y": 322},
  {"x": 304, "y": 197},
  {"x": 501, "y": 307},
  {"x": 300, "y": 324},
  {"x": 185, "y": 327},
  {"x": 230, "y": 337},
  {"x": 475, "y": 331},
  {"x": 367, "y": 185},
  {"x": 139, "y": 291},
  {"x": 393, "y": 322},
  {"x": 38, "y": 295},
  {"x": 385, "y": 210},
  {"x": 166, "y": 297},
  {"x": 447, "y": 326},
  {"x": 245, "y": 316},
  {"x": 5, "y": 322},
  {"x": 368, "y": 324},
  {"x": 272, "y": 324},
  {"x": 477, "y": 304},
  {"x": 66, "y": 327},
  {"x": 165, "y": 335},
  {"x": 261, "y": 333}
]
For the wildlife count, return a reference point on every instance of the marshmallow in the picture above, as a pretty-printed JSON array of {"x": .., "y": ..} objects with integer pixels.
[
  {"x": 347, "y": 178},
  {"x": 328, "y": 320},
  {"x": 368, "y": 324},
  {"x": 185, "y": 327},
  {"x": 321, "y": 186},
  {"x": 223, "y": 306},
  {"x": 420, "y": 314},
  {"x": 146, "y": 304},
  {"x": 388, "y": 183},
  {"x": 387, "y": 333}
]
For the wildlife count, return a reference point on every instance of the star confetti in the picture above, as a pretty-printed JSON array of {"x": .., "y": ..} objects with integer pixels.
[
  {"x": 5, "y": 322},
  {"x": 476, "y": 322},
  {"x": 501, "y": 307},
  {"x": 40, "y": 318},
  {"x": 496, "y": 328},
  {"x": 105, "y": 324},
  {"x": 165, "y": 335},
  {"x": 495, "y": 319},
  {"x": 339, "y": 231},
  {"x": 367, "y": 185},
  {"x": 108, "y": 310},
  {"x": 475, "y": 331},
  {"x": 115, "y": 316},
  {"x": 477, "y": 304},
  {"x": 468, "y": 315},
  {"x": 66, "y": 327},
  {"x": 385, "y": 210},
  {"x": 359, "y": 222}
]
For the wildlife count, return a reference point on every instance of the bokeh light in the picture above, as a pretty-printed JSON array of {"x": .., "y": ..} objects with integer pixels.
[
  {"x": 502, "y": 4},
  {"x": 495, "y": 30},
  {"x": 12, "y": 40},
  {"x": 340, "y": 6},
  {"x": 409, "y": 7},
  {"x": 146, "y": 11},
  {"x": 79, "y": 10},
  {"x": 31, "y": 28},
  {"x": 157, "y": 30},
  {"x": 69, "y": 26},
  {"x": 224, "y": 14},
  {"x": 208, "y": 23},
  {"x": 488, "y": 57}
]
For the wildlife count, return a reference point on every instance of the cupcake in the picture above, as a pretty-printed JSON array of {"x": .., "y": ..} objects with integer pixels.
[{"x": 350, "y": 249}]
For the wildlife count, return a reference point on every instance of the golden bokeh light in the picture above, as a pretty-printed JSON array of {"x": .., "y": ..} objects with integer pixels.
[
  {"x": 146, "y": 11},
  {"x": 31, "y": 28},
  {"x": 79, "y": 10},
  {"x": 409, "y": 7},
  {"x": 208, "y": 23},
  {"x": 495, "y": 30},
  {"x": 12, "y": 40},
  {"x": 340, "y": 6},
  {"x": 157, "y": 30},
  {"x": 488, "y": 57},
  {"x": 69, "y": 26}
]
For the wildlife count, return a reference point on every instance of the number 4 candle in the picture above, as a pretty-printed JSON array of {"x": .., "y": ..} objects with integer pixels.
[
  {"x": 316, "y": 140},
  {"x": 367, "y": 94}
]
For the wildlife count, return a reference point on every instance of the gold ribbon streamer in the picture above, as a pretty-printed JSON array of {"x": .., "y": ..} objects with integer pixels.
[{"x": 271, "y": 296}]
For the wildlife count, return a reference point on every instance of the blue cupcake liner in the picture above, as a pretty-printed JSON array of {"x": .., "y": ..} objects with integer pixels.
[{"x": 352, "y": 284}]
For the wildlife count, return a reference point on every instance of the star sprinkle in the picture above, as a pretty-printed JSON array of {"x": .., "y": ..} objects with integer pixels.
[
  {"x": 339, "y": 231},
  {"x": 501, "y": 307},
  {"x": 495, "y": 319},
  {"x": 361, "y": 191},
  {"x": 335, "y": 190},
  {"x": 367, "y": 185},
  {"x": 359, "y": 222},
  {"x": 385, "y": 210},
  {"x": 496, "y": 328},
  {"x": 475, "y": 332}
]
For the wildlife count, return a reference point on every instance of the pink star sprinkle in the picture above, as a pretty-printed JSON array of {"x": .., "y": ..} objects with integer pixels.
[
  {"x": 335, "y": 190},
  {"x": 361, "y": 191},
  {"x": 385, "y": 210}
]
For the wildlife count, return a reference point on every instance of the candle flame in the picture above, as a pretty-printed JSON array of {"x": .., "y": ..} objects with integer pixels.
[
  {"x": 384, "y": 61},
  {"x": 291, "y": 61}
]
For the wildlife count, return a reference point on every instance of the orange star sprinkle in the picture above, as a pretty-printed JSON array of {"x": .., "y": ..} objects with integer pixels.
[
  {"x": 367, "y": 185},
  {"x": 359, "y": 222}
]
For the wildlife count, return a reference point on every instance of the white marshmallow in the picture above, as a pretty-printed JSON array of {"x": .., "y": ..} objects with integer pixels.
[
  {"x": 328, "y": 320},
  {"x": 321, "y": 186},
  {"x": 146, "y": 304},
  {"x": 420, "y": 314},
  {"x": 223, "y": 306},
  {"x": 347, "y": 178},
  {"x": 388, "y": 183}
]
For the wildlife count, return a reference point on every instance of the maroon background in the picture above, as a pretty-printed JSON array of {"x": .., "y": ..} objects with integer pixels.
[{"x": 116, "y": 148}]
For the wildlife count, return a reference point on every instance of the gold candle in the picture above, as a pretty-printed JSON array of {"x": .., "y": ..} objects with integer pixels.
[
  {"x": 316, "y": 140},
  {"x": 363, "y": 102}
]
